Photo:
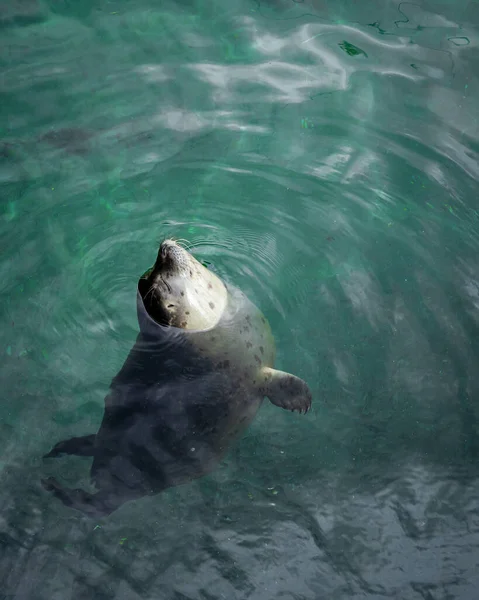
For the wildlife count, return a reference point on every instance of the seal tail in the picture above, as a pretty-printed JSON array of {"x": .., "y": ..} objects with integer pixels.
[
  {"x": 79, "y": 446},
  {"x": 100, "y": 504}
]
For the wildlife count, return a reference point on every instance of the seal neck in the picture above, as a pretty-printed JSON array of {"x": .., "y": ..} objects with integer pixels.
[{"x": 148, "y": 326}]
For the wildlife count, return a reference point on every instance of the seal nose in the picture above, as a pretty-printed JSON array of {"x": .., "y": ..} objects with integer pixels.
[{"x": 166, "y": 253}]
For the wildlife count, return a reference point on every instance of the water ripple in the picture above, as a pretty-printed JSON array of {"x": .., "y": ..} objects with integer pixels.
[{"x": 324, "y": 158}]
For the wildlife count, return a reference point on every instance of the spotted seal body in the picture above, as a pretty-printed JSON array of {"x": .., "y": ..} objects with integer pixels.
[{"x": 194, "y": 380}]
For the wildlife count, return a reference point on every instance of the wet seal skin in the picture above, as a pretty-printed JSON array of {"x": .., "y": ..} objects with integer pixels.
[{"x": 194, "y": 380}]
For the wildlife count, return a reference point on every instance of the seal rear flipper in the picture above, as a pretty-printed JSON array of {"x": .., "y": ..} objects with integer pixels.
[
  {"x": 100, "y": 504},
  {"x": 79, "y": 446},
  {"x": 286, "y": 390}
]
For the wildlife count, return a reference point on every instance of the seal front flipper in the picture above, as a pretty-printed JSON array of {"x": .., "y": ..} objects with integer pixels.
[
  {"x": 100, "y": 504},
  {"x": 286, "y": 390},
  {"x": 79, "y": 446}
]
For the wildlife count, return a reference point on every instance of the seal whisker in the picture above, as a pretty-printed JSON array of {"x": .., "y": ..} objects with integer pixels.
[
  {"x": 168, "y": 286},
  {"x": 184, "y": 243},
  {"x": 149, "y": 291}
]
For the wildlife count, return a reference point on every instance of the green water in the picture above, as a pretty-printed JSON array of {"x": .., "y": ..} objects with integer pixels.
[{"x": 322, "y": 156}]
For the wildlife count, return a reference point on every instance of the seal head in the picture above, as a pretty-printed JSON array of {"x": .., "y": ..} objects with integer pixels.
[{"x": 178, "y": 291}]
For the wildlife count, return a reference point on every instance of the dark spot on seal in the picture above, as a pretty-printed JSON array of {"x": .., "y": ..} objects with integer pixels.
[
  {"x": 249, "y": 345},
  {"x": 213, "y": 338},
  {"x": 182, "y": 293},
  {"x": 263, "y": 319},
  {"x": 187, "y": 312},
  {"x": 210, "y": 287},
  {"x": 257, "y": 359},
  {"x": 261, "y": 349},
  {"x": 224, "y": 364},
  {"x": 191, "y": 273},
  {"x": 248, "y": 319},
  {"x": 196, "y": 291},
  {"x": 184, "y": 324},
  {"x": 211, "y": 305},
  {"x": 246, "y": 329}
]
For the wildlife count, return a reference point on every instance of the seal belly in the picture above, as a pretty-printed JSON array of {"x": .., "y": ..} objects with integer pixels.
[{"x": 163, "y": 436}]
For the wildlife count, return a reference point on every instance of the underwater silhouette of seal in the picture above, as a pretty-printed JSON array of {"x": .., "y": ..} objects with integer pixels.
[{"x": 193, "y": 381}]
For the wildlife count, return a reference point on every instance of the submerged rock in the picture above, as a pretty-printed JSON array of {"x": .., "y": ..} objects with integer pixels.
[
  {"x": 71, "y": 139},
  {"x": 21, "y": 12}
]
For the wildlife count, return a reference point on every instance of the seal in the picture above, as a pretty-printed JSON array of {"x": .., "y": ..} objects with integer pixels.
[{"x": 201, "y": 366}]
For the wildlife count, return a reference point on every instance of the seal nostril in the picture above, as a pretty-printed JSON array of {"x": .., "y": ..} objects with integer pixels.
[{"x": 163, "y": 255}]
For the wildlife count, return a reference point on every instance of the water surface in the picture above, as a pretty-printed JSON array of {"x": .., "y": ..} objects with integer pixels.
[{"x": 321, "y": 155}]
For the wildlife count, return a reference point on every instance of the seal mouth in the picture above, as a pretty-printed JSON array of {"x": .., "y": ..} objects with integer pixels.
[
  {"x": 155, "y": 285},
  {"x": 151, "y": 293},
  {"x": 154, "y": 290}
]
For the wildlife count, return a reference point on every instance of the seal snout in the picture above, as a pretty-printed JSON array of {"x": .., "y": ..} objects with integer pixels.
[
  {"x": 168, "y": 253},
  {"x": 166, "y": 247}
]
